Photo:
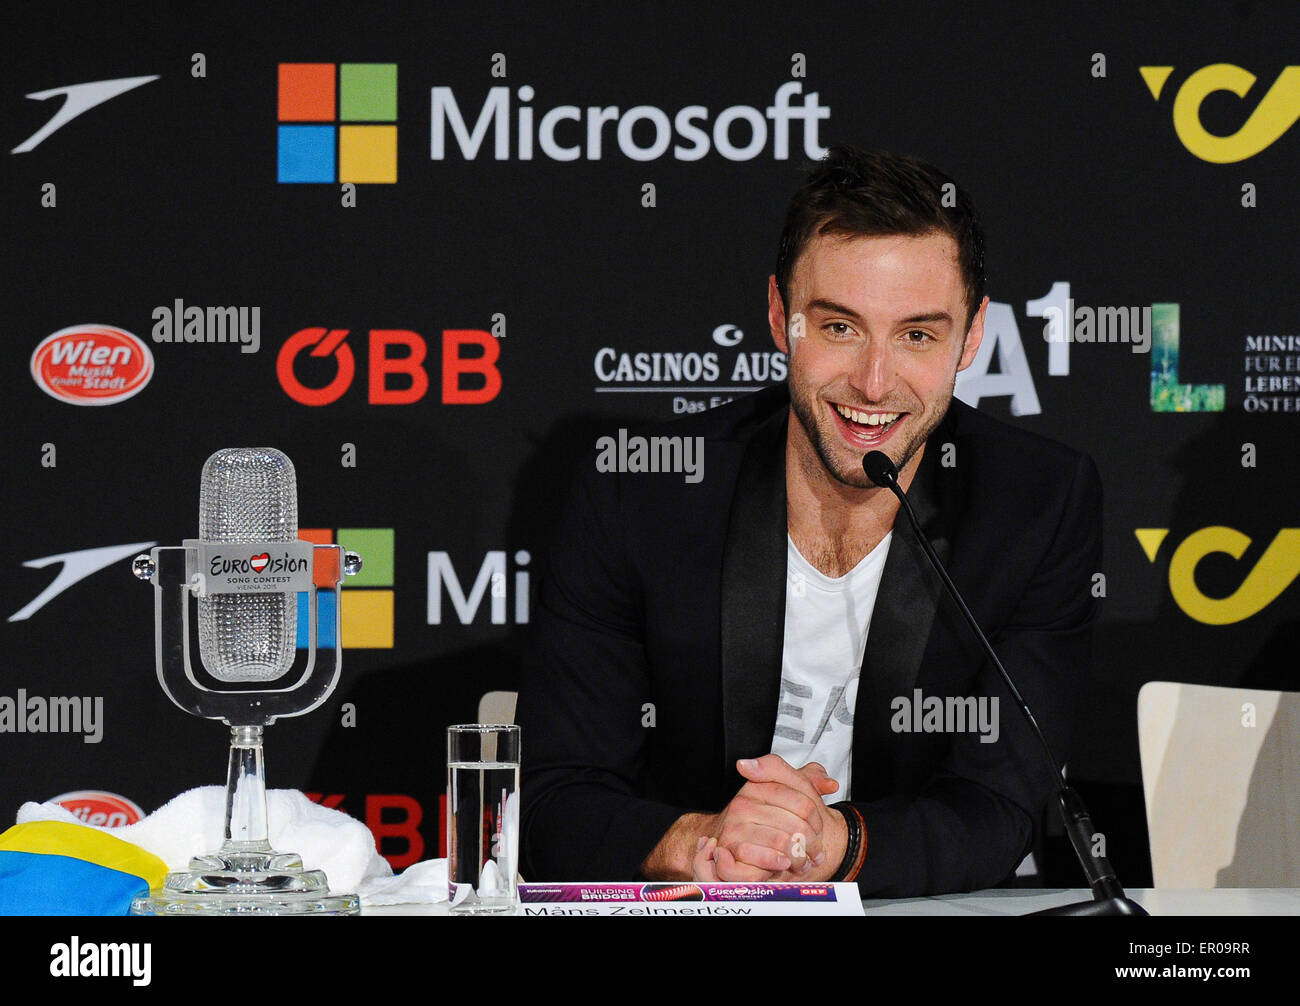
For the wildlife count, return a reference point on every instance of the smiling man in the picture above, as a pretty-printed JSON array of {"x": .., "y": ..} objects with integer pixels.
[{"x": 757, "y": 677}]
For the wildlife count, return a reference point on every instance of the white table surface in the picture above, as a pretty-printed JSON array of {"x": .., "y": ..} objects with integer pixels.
[
  {"x": 1162, "y": 901},
  {"x": 1022, "y": 901}
]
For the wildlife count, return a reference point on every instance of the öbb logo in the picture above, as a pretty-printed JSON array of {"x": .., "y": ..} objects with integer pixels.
[
  {"x": 95, "y": 807},
  {"x": 409, "y": 380},
  {"x": 91, "y": 365}
]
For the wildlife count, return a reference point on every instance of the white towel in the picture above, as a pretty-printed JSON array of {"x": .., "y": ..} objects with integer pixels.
[
  {"x": 192, "y": 825},
  {"x": 422, "y": 883}
]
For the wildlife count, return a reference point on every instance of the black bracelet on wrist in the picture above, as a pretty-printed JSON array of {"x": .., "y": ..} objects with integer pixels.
[{"x": 848, "y": 865}]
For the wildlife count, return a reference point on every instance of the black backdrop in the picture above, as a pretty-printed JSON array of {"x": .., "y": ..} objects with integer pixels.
[{"x": 169, "y": 191}]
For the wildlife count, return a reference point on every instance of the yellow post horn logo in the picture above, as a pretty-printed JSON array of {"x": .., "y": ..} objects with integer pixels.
[
  {"x": 1276, "y": 569},
  {"x": 1276, "y": 112}
]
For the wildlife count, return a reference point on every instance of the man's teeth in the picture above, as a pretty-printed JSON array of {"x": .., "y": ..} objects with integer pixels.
[{"x": 867, "y": 418}]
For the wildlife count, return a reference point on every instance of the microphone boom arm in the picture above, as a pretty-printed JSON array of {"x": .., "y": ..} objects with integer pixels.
[{"x": 1109, "y": 898}]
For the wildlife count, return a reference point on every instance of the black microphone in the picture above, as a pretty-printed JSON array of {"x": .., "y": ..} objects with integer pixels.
[
  {"x": 1108, "y": 895},
  {"x": 880, "y": 469}
]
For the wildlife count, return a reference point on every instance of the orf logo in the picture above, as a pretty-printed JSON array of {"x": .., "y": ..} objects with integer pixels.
[
  {"x": 1276, "y": 112},
  {"x": 108, "y": 810},
  {"x": 91, "y": 365},
  {"x": 1275, "y": 570},
  {"x": 395, "y": 360}
]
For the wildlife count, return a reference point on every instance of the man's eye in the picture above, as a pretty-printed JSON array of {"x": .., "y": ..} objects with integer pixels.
[
  {"x": 839, "y": 328},
  {"x": 919, "y": 336}
]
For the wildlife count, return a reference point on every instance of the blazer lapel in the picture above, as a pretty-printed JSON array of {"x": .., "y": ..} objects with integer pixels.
[
  {"x": 753, "y": 597},
  {"x": 901, "y": 620}
]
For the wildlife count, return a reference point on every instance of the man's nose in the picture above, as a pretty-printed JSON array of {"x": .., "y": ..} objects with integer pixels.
[{"x": 873, "y": 370}]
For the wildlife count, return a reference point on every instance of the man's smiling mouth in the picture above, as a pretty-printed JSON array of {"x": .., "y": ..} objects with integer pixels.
[{"x": 863, "y": 428}]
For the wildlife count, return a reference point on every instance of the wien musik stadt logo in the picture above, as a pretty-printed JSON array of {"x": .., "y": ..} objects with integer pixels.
[
  {"x": 330, "y": 117},
  {"x": 91, "y": 365}
]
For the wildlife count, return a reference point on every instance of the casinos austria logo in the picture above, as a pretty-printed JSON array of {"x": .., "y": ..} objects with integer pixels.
[{"x": 92, "y": 365}]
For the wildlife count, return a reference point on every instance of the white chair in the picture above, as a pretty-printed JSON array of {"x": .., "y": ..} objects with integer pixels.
[{"x": 1221, "y": 776}]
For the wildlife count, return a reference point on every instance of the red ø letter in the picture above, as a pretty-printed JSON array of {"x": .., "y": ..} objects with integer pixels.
[{"x": 325, "y": 341}]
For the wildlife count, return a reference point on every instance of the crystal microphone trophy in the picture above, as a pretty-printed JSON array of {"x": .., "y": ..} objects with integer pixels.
[{"x": 248, "y": 571}]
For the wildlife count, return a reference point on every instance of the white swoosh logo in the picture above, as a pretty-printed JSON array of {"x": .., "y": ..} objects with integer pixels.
[
  {"x": 76, "y": 567},
  {"x": 80, "y": 98}
]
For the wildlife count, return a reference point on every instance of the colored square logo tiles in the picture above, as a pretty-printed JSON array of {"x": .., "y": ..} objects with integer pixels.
[
  {"x": 368, "y": 154},
  {"x": 367, "y": 619},
  {"x": 328, "y": 115},
  {"x": 375, "y": 546},
  {"x": 367, "y": 614},
  {"x": 306, "y": 92},
  {"x": 368, "y": 92},
  {"x": 306, "y": 154}
]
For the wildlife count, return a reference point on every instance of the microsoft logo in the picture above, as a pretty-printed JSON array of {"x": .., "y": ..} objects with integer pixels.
[
  {"x": 367, "y": 611},
  {"x": 342, "y": 95}
]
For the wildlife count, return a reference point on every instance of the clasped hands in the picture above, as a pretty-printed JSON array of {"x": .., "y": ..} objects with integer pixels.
[{"x": 777, "y": 828}]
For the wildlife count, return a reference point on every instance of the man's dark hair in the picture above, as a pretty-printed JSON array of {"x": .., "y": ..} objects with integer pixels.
[{"x": 860, "y": 193}]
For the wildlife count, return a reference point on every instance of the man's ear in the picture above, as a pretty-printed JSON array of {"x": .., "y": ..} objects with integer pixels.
[
  {"x": 974, "y": 336},
  {"x": 776, "y": 316}
]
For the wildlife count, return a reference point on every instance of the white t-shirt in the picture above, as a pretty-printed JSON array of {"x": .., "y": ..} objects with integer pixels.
[{"x": 826, "y": 624}]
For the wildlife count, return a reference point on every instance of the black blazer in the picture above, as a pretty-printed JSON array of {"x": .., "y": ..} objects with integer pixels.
[{"x": 656, "y": 656}]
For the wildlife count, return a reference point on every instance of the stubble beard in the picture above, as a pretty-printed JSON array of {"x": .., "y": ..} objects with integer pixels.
[{"x": 822, "y": 435}]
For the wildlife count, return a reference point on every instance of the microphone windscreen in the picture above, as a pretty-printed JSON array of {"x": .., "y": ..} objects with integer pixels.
[
  {"x": 880, "y": 469},
  {"x": 248, "y": 494}
]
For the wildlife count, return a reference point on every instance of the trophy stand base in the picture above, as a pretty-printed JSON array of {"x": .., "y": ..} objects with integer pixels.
[{"x": 245, "y": 883}]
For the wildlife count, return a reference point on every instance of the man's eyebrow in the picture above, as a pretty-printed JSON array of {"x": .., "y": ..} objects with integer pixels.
[
  {"x": 920, "y": 319},
  {"x": 833, "y": 307}
]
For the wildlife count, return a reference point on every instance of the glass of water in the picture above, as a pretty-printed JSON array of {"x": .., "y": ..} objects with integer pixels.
[{"x": 482, "y": 817}]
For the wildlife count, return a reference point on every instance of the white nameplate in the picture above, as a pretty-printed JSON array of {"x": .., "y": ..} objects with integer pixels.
[{"x": 249, "y": 567}]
